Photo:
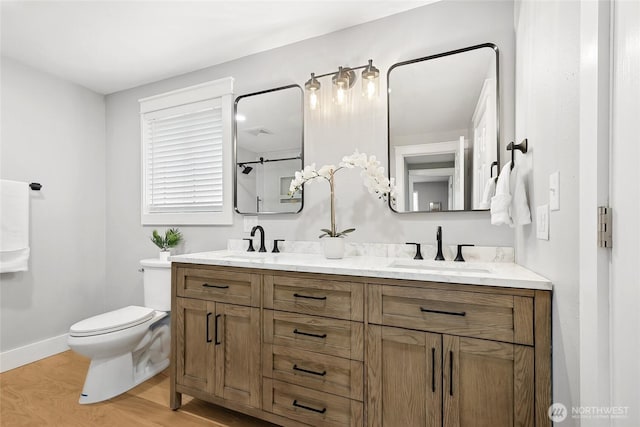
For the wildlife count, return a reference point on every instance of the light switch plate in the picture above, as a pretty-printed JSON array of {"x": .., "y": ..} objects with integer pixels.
[
  {"x": 542, "y": 222},
  {"x": 554, "y": 191},
  {"x": 249, "y": 223}
]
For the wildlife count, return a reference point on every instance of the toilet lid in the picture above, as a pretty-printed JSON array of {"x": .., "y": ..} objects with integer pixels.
[{"x": 112, "y": 321}]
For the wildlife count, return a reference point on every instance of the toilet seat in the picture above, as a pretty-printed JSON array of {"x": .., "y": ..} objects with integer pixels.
[{"x": 112, "y": 321}]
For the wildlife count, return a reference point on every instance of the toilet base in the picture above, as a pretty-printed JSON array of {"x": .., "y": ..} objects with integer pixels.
[{"x": 112, "y": 376}]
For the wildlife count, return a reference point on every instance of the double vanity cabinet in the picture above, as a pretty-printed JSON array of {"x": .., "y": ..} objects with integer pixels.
[{"x": 304, "y": 348}]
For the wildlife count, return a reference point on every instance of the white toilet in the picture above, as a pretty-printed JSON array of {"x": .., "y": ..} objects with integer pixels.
[{"x": 129, "y": 345}]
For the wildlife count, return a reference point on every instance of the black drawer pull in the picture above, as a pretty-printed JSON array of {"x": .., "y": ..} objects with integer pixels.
[
  {"x": 295, "y": 331},
  {"x": 451, "y": 373},
  {"x": 308, "y": 408},
  {"x": 216, "y": 338},
  {"x": 433, "y": 370},
  {"x": 309, "y": 297},
  {"x": 206, "y": 285},
  {"x": 208, "y": 316},
  {"x": 451, "y": 313},
  {"x": 320, "y": 374}
]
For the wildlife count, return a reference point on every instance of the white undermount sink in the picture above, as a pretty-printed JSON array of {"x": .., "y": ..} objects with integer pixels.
[{"x": 421, "y": 266}]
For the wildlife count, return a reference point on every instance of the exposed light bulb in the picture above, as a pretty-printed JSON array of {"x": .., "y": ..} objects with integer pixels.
[
  {"x": 340, "y": 95},
  {"x": 313, "y": 100},
  {"x": 371, "y": 89}
]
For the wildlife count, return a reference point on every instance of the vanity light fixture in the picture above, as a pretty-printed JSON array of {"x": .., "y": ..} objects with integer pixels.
[
  {"x": 312, "y": 86},
  {"x": 370, "y": 81},
  {"x": 343, "y": 81}
]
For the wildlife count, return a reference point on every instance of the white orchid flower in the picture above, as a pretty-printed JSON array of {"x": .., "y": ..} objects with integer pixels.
[
  {"x": 326, "y": 170},
  {"x": 309, "y": 171}
]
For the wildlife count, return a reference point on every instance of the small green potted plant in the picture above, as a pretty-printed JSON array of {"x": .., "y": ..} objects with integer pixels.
[{"x": 172, "y": 237}]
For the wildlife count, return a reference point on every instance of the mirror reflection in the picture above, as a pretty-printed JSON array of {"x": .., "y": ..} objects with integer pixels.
[
  {"x": 443, "y": 129},
  {"x": 268, "y": 150}
]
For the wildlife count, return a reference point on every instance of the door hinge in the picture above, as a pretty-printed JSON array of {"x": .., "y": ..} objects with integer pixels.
[{"x": 604, "y": 227}]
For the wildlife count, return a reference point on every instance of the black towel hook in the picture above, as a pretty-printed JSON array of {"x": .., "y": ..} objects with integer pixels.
[{"x": 523, "y": 147}]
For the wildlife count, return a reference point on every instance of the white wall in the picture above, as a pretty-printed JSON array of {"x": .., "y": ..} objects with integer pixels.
[
  {"x": 431, "y": 29},
  {"x": 547, "y": 113},
  {"x": 53, "y": 132}
]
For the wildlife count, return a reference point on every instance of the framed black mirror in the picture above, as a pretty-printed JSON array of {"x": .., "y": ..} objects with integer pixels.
[
  {"x": 268, "y": 147},
  {"x": 443, "y": 129}
]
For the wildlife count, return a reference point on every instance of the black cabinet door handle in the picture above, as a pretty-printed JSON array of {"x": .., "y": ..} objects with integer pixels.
[
  {"x": 297, "y": 295},
  {"x": 308, "y": 408},
  {"x": 216, "y": 329},
  {"x": 320, "y": 374},
  {"x": 206, "y": 285},
  {"x": 451, "y": 313},
  {"x": 433, "y": 369},
  {"x": 208, "y": 316},
  {"x": 295, "y": 331},
  {"x": 451, "y": 373}
]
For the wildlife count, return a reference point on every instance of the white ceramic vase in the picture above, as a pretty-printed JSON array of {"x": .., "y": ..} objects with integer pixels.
[
  {"x": 164, "y": 255},
  {"x": 333, "y": 247}
]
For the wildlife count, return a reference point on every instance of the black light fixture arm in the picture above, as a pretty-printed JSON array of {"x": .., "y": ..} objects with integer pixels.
[{"x": 344, "y": 68}]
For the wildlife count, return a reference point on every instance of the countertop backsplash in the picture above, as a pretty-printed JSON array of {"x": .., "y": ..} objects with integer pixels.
[{"x": 389, "y": 250}]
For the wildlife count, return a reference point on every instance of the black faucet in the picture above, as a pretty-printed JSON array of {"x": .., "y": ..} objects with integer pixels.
[
  {"x": 459, "y": 256},
  {"x": 418, "y": 254},
  {"x": 253, "y": 233},
  {"x": 439, "y": 256}
]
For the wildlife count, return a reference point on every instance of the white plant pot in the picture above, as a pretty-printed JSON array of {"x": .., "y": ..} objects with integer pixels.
[
  {"x": 164, "y": 255},
  {"x": 333, "y": 247}
]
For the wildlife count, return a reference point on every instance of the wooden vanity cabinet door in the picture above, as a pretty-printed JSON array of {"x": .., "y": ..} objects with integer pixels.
[
  {"x": 194, "y": 343},
  {"x": 404, "y": 378},
  {"x": 487, "y": 383},
  {"x": 236, "y": 335}
]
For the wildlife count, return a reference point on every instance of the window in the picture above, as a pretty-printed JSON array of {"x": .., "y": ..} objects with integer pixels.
[{"x": 186, "y": 155}]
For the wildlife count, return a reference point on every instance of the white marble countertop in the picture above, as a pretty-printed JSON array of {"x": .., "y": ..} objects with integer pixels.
[{"x": 502, "y": 274}]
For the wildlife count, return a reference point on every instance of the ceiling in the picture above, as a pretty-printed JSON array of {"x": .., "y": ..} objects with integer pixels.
[{"x": 109, "y": 46}]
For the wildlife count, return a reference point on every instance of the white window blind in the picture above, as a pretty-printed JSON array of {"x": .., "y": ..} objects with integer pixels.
[
  {"x": 184, "y": 171},
  {"x": 187, "y": 155}
]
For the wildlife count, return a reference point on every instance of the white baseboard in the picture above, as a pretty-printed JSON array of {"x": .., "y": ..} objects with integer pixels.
[{"x": 17, "y": 357}]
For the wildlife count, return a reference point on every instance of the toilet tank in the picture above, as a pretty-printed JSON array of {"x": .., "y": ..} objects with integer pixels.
[{"x": 157, "y": 284}]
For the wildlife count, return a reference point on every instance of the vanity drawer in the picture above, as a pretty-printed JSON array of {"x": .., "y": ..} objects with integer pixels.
[
  {"x": 309, "y": 406},
  {"x": 317, "y": 371},
  {"x": 334, "y": 337},
  {"x": 483, "y": 315},
  {"x": 234, "y": 287},
  {"x": 330, "y": 298}
]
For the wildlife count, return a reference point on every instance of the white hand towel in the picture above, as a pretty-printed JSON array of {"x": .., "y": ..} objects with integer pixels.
[
  {"x": 14, "y": 226},
  {"x": 489, "y": 191},
  {"x": 501, "y": 202},
  {"x": 519, "y": 211}
]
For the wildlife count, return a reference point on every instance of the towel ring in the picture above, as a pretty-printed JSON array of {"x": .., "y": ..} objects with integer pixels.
[
  {"x": 523, "y": 147},
  {"x": 491, "y": 169}
]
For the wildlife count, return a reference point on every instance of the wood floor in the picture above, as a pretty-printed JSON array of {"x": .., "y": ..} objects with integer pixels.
[{"x": 45, "y": 393}]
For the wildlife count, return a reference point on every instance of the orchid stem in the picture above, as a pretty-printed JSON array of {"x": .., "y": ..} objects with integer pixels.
[{"x": 333, "y": 208}]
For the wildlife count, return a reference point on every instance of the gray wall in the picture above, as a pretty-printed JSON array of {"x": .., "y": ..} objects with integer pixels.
[
  {"x": 548, "y": 107},
  {"x": 53, "y": 132},
  {"x": 431, "y": 29},
  {"x": 432, "y": 192}
]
